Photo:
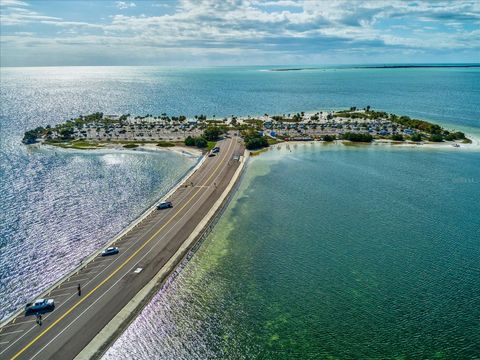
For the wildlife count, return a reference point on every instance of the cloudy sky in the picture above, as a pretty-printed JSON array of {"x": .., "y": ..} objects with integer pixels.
[{"x": 237, "y": 32}]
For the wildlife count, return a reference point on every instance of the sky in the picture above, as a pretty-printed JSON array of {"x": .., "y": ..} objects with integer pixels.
[{"x": 238, "y": 32}]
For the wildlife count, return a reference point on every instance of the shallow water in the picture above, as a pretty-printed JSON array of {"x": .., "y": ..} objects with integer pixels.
[{"x": 330, "y": 252}]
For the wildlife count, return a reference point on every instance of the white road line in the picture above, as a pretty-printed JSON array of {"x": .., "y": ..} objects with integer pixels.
[
  {"x": 65, "y": 294},
  {"x": 122, "y": 255},
  {"x": 75, "y": 280},
  {"x": 125, "y": 274},
  {"x": 64, "y": 288},
  {"x": 96, "y": 266},
  {"x": 121, "y": 278},
  {"x": 11, "y": 332}
]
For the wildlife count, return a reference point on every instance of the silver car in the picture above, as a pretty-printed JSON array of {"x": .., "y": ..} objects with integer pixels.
[{"x": 39, "y": 306}]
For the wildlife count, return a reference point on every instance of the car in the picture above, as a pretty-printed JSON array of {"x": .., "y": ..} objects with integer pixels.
[
  {"x": 110, "y": 251},
  {"x": 215, "y": 150},
  {"x": 39, "y": 306},
  {"x": 164, "y": 205},
  {"x": 212, "y": 154}
]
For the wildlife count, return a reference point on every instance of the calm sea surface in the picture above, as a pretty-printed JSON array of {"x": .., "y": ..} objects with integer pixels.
[
  {"x": 330, "y": 252},
  {"x": 348, "y": 252}
]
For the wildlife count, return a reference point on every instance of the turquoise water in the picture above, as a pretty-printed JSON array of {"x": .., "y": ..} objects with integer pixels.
[
  {"x": 330, "y": 252},
  {"x": 350, "y": 252}
]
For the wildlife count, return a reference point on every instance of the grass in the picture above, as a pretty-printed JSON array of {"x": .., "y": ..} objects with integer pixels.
[
  {"x": 130, "y": 146},
  {"x": 75, "y": 144},
  {"x": 258, "y": 152},
  {"x": 272, "y": 141},
  {"x": 165, "y": 144},
  {"x": 211, "y": 145}
]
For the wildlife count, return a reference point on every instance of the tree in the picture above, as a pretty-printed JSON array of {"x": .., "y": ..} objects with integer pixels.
[
  {"x": 416, "y": 137},
  {"x": 253, "y": 140},
  {"x": 212, "y": 133},
  {"x": 190, "y": 141},
  {"x": 201, "y": 142},
  {"x": 436, "y": 138}
]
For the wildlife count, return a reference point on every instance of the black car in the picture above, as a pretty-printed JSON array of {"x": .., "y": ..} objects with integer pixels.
[{"x": 164, "y": 205}]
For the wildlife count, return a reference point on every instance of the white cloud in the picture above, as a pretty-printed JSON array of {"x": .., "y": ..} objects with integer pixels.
[
  {"x": 13, "y": 3},
  {"x": 125, "y": 4},
  {"x": 286, "y": 28}
]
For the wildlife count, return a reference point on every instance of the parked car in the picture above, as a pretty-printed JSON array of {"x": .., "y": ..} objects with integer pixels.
[
  {"x": 110, "y": 251},
  {"x": 164, "y": 205},
  {"x": 215, "y": 150},
  {"x": 39, "y": 306}
]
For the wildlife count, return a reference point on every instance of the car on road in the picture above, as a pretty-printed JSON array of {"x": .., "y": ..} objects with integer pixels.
[
  {"x": 164, "y": 205},
  {"x": 212, "y": 154},
  {"x": 216, "y": 150},
  {"x": 110, "y": 251},
  {"x": 39, "y": 306}
]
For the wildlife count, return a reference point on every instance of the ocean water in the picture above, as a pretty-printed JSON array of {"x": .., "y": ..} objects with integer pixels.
[{"x": 325, "y": 251}]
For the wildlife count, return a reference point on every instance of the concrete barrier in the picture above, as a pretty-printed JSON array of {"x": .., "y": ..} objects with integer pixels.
[{"x": 99, "y": 345}]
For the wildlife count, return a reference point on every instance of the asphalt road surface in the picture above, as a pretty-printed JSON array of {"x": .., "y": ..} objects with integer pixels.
[{"x": 109, "y": 283}]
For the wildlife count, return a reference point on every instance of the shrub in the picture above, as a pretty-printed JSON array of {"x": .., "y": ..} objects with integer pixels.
[
  {"x": 201, "y": 142},
  {"x": 416, "y": 137},
  {"x": 436, "y": 138},
  {"x": 165, "y": 144},
  {"x": 329, "y": 138},
  {"x": 357, "y": 137},
  {"x": 190, "y": 141}
]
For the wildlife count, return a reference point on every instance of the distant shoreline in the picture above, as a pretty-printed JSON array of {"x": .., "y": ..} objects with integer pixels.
[
  {"x": 417, "y": 66},
  {"x": 386, "y": 66}
]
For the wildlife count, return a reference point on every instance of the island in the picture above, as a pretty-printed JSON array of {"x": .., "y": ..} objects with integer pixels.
[{"x": 361, "y": 125}]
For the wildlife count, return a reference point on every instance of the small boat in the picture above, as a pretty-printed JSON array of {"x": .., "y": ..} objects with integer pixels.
[{"x": 455, "y": 145}]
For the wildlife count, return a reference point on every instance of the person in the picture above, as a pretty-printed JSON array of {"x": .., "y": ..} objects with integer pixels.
[
  {"x": 79, "y": 288},
  {"x": 39, "y": 319}
]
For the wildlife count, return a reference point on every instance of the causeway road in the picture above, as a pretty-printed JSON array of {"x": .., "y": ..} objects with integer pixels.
[{"x": 109, "y": 283}]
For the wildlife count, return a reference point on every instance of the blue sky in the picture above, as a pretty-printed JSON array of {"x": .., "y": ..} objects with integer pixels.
[{"x": 237, "y": 32}]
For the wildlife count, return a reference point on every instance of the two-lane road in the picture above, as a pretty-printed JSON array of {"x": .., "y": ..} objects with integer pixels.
[{"x": 109, "y": 283}]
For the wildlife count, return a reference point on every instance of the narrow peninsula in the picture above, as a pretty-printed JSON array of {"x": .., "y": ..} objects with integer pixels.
[{"x": 351, "y": 125}]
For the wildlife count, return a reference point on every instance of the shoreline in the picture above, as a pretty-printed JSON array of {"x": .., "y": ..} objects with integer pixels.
[
  {"x": 473, "y": 146},
  {"x": 178, "y": 149}
]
